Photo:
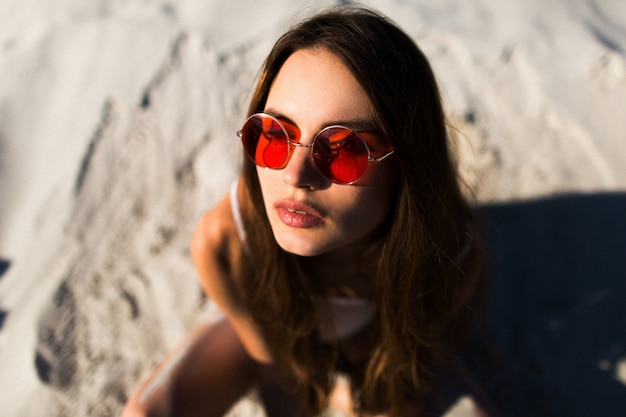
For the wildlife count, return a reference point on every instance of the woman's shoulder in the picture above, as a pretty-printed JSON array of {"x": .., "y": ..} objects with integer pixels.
[
  {"x": 215, "y": 226},
  {"x": 221, "y": 262},
  {"x": 219, "y": 255}
]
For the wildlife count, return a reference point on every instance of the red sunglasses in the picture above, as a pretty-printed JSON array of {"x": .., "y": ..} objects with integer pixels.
[{"x": 340, "y": 154}]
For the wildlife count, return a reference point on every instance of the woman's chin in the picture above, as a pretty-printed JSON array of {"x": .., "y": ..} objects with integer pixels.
[{"x": 300, "y": 246}]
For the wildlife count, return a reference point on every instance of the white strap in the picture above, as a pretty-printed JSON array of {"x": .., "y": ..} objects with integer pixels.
[{"x": 234, "y": 204}]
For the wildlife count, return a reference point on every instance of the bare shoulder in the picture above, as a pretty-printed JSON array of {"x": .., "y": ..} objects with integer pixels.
[
  {"x": 221, "y": 262},
  {"x": 218, "y": 255}
]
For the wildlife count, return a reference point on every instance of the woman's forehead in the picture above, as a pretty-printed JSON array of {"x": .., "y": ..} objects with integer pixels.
[{"x": 315, "y": 85}]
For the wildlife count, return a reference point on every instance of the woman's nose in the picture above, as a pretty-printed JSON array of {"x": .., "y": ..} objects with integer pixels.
[{"x": 301, "y": 170}]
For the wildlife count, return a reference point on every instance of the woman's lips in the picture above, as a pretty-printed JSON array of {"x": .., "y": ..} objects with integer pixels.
[{"x": 298, "y": 214}]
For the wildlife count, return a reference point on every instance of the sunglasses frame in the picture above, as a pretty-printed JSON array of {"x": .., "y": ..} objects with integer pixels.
[{"x": 292, "y": 145}]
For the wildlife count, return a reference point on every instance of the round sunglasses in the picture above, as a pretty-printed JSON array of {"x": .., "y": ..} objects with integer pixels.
[{"x": 340, "y": 154}]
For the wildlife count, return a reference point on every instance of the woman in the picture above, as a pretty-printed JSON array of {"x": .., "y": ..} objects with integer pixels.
[{"x": 346, "y": 248}]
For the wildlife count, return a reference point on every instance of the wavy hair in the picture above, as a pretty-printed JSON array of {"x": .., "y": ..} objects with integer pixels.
[{"x": 425, "y": 290}]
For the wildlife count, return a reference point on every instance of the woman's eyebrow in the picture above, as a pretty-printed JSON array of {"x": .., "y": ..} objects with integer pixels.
[
  {"x": 364, "y": 125},
  {"x": 280, "y": 116}
]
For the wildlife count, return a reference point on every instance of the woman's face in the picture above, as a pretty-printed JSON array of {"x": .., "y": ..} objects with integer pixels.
[{"x": 309, "y": 214}]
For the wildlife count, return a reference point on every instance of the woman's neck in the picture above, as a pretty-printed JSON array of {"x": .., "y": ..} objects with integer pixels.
[{"x": 349, "y": 271}]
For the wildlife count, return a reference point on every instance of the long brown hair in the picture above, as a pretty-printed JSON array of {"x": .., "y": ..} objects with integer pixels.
[{"x": 424, "y": 288}]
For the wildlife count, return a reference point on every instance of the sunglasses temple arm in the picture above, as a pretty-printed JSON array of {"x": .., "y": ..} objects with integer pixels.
[{"x": 380, "y": 158}]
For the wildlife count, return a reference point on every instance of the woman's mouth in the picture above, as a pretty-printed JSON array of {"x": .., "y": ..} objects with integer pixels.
[{"x": 298, "y": 214}]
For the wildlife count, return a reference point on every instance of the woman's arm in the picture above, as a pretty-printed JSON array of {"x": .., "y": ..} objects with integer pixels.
[
  {"x": 219, "y": 256},
  {"x": 216, "y": 363}
]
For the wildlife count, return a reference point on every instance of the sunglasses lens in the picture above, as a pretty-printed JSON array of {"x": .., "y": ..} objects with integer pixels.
[
  {"x": 265, "y": 141},
  {"x": 340, "y": 155}
]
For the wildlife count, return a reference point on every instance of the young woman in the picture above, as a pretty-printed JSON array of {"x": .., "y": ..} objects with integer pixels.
[{"x": 346, "y": 248}]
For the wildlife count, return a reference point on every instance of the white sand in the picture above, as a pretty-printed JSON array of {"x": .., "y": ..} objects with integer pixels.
[{"x": 112, "y": 115}]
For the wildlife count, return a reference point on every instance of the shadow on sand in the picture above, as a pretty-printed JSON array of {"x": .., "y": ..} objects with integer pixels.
[
  {"x": 557, "y": 310},
  {"x": 4, "y": 266}
]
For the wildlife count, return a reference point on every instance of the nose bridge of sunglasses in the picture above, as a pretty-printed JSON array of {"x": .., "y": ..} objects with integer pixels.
[
  {"x": 300, "y": 145},
  {"x": 300, "y": 153}
]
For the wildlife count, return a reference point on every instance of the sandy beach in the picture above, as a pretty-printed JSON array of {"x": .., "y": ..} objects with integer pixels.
[{"x": 117, "y": 131}]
